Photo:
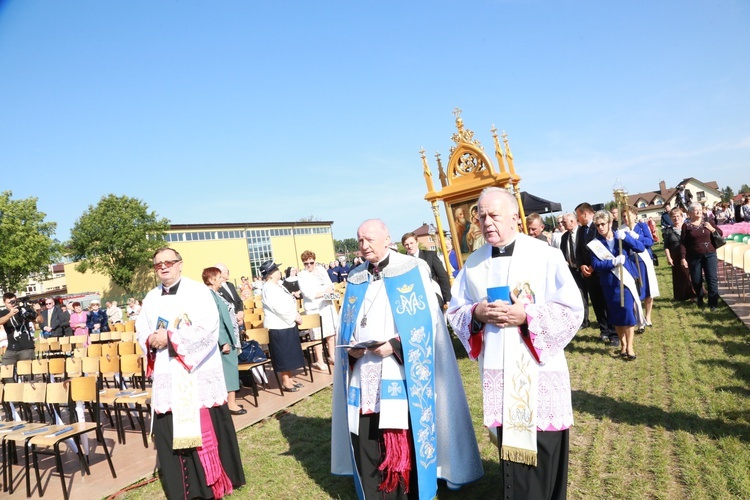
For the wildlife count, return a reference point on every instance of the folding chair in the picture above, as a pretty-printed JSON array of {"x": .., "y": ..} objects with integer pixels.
[
  {"x": 738, "y": 257},
  {"x": 23, "y": 369},
  {"x": 34, "y": 394},
  {"x": 94, "y": 351},
  {"x": 40, "y": 368},
  {"x": 82, "y": 389},
  {"x": 7, "y": 372},
  {"x": 130, "y": 326},
  {"x": 124, "y": 348},
  {"x": 310, "y": 321},
  {"x": 109, "y": 349},
  {"x": 73, "y": 367},
  {"x": 131, "y": 365},
  {"x": 56, "y": 370},
  {"x": 261, "y": 336}
]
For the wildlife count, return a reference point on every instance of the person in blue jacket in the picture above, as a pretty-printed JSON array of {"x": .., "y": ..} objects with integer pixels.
[
  {"x": 613, "y": 266},
  {"x": 648, "y": 284}
]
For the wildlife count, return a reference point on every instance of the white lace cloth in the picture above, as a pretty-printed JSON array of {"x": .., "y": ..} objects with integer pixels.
[{"x": 553, "y": 320}]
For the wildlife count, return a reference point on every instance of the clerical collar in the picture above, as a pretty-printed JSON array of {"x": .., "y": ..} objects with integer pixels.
[
  {"x": 505, "y": 251},
  {"x": 170, "y": 290},
  {"x": 377, "y": 269}
]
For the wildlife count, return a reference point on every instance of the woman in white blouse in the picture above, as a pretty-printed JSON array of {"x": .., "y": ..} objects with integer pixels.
[{"x": 315, "y": 285}]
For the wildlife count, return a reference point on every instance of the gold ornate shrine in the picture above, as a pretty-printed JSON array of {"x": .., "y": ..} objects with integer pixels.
[{"x": 470, "y": 170}]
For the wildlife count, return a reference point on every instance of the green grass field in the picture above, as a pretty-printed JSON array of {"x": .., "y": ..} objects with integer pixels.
[{"x": 673, "y": 424}]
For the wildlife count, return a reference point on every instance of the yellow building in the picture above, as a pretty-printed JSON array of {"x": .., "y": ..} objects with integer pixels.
[{"x": 243, "y": 247}]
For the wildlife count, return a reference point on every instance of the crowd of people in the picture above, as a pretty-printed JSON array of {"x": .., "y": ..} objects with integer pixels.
[{"x": 400, "y": 419}]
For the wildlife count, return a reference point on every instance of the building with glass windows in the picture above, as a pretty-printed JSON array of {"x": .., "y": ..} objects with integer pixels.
[{"x": 243, "y": 247}]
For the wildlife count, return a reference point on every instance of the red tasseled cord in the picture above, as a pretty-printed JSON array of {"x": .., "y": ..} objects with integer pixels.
[
  {"x": 208, "y": 454},
  {"x": 396, "y": 466}
]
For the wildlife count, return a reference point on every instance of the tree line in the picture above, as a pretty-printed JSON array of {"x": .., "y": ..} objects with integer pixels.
[{"x": 116, "y": 237}]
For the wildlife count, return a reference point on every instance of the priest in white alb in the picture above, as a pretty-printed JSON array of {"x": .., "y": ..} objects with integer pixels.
[
  {"x": 515, "y": 306},
  {"x": 400, "y": 417}
]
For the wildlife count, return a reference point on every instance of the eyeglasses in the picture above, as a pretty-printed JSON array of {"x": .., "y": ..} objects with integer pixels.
[
  {"x": 309, "y": 263},
  {"x": 601, "y": 224},
  {"x": 50, "y": 303},
  {"x": 166, "y": 263}
]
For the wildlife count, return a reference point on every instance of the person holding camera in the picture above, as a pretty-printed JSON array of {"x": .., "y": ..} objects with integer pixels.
[{"x": 15, "y": 320}]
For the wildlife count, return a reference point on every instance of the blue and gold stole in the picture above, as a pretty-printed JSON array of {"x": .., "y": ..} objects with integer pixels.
[{"x": 411, "y": 313}]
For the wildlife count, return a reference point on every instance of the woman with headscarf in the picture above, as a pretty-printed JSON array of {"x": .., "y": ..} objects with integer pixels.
[
  {"x": 614, "y": 266},
  {"x": 682, "y": 288},
  {"x": 229, "y": 338},
  {"x": 698, "y": 255},
  {"x": 280, "y": 317}
]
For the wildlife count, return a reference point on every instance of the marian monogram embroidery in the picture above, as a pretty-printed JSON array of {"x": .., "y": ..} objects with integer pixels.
[{"x": 409, "y": 304}]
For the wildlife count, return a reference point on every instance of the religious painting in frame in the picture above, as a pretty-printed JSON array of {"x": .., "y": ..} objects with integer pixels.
[{"x": 465, "y": 230}]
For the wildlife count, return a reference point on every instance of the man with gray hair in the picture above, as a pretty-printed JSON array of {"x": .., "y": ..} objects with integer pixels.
[
  {"x": 515, "y": 307},
  {"x": 229, "y": 292},
  {"x": 400, "y": 417},
  {"x": 535, "y": 225}
]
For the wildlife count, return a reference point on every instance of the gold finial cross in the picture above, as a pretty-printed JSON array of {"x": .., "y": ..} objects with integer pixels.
[{"x": 456, "y": 112}]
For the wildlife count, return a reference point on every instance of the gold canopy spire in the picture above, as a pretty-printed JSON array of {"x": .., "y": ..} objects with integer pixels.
[
  {"x": 426, "y": 172},
  {"x": 498, "y": 150}
]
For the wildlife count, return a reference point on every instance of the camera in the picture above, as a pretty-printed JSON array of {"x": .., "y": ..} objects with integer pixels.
[{"x": 27, "y": 312}]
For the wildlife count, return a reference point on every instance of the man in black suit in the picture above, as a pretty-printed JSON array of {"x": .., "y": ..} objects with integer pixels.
[
  {"x": 52, "y": 320},
  {"x": 228, "y": 291},
  {"x": 568, "y": 248},
  {"x": 585, "y": 234},
  {"x": 437, "y": 270}
]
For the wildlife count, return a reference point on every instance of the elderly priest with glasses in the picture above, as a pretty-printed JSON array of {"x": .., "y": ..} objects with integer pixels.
[
  {"x": 400, "y": 417},
  {"x": 196, "y": 443}
]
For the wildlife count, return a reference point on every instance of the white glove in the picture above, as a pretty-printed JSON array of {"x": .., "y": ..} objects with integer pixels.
[
  {"x": 634, "y": 235},
  {"x": 619, "y": 260},
  {"x": 620, "y": 234}
]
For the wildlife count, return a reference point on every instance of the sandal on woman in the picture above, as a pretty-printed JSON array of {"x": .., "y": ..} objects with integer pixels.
[
  {"x": 298, "y": 385},
  {"x": 318, "y": 366},
  {"x": 290, "y": 389}
]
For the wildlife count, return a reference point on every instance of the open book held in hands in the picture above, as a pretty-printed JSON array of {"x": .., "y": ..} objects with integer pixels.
[{"x": 367, "y": 344}]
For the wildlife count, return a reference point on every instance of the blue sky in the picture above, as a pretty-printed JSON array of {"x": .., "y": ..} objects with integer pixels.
[{"x": 240, "y": 111}]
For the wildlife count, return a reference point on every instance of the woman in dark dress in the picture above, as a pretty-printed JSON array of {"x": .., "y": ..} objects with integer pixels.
[
  {"x": 281, "y": 317},
  {"x": 229, "y": 339},
  {"x": 606, "y": 258},
  {"x": 682, "y": 287}
]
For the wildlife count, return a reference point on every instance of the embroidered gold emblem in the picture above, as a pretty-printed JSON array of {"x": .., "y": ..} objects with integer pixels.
[
  {"x": 405, "y": 288},
  {"x": 352, "y": 299}
]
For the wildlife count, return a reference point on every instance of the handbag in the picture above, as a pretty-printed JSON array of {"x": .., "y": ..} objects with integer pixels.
[
  {"x": 717, "y": 240},
  {"x": 251, "y": 352}
]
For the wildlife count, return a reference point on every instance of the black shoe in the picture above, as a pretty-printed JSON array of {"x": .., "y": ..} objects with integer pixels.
[
  {"x": 712, "y": 308},
  {"x": 640, "y": 330},
  {"x": 241, "y": 411},
  {"x": 290, "y": 389},
  {"x": 631, "y": 357},
  {"x": 614, "y": 342},
  {"x": 298, "y": 385}
]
